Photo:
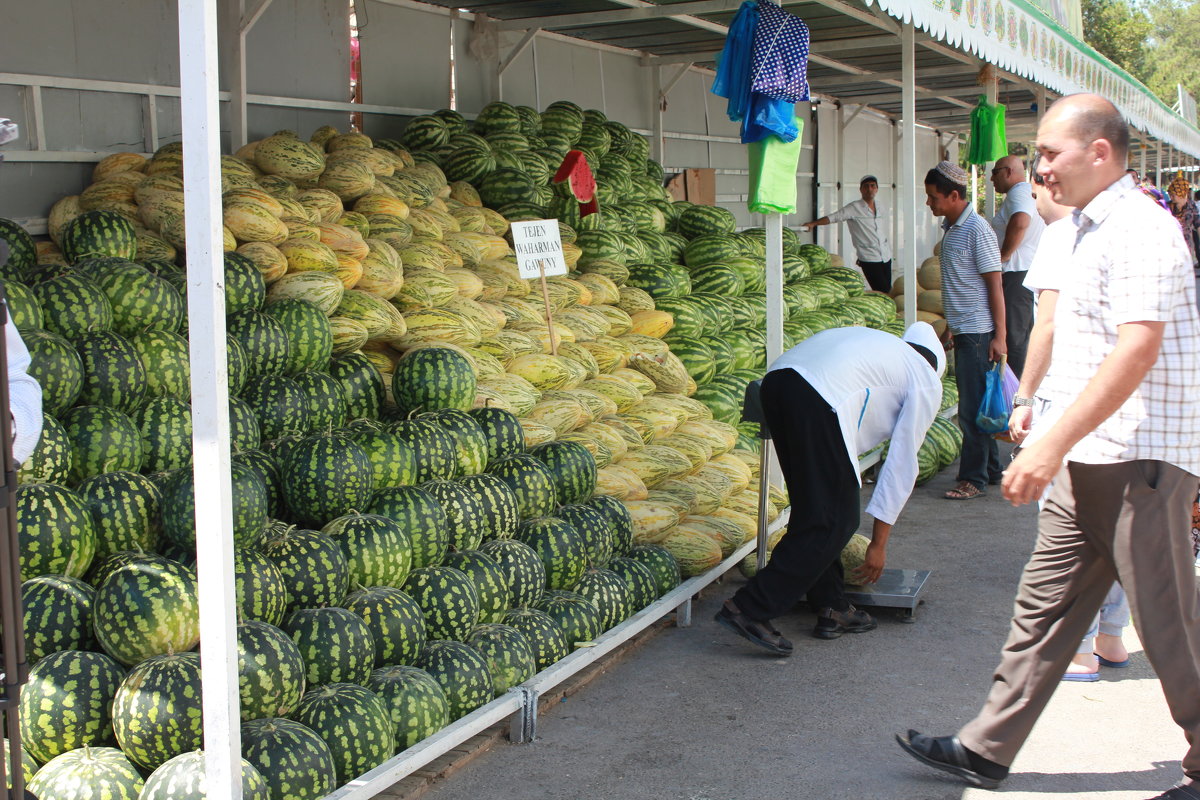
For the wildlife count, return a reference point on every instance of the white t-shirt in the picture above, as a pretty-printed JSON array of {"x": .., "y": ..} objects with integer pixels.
[
  {"x": 1019, "y": 199},
  {"x": 1053, "y": 252}
]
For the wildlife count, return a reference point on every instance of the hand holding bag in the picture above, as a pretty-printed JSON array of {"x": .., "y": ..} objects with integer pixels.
[{"x": 993, "y": 410}]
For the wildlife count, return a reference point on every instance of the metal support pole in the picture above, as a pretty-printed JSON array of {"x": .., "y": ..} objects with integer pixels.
[
  {"x": 908, "y": 158},
  {"x": 235, "y": 65},
  {"x": 683, "y": 614},
  {"x": 658, "y": 144},
  {"x": 835, "y": 231},
  {"x": 764, "y": 484},
  {"x": 210, "y": 394},
  {"x": 1158, "y": 159}
]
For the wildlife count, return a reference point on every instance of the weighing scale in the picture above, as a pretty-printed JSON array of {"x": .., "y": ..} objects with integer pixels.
[{"x": 896, "y": 588}]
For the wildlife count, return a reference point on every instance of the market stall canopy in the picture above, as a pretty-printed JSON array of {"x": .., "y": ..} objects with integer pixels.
[{"x": 855, "y": 54}]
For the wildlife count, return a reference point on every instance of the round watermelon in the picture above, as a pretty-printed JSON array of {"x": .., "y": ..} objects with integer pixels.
[
  {"x": 377, "y": 549},
  {"x": 542, "y": 633},
  {"x": 593, "y": 528},
  {"x": 572, "y": 468},
  {"x": 435, "y": 447},
  {"x": 164, "y": 356},
  {"x": 73, "y": 305},
  {"x": 561, "y": 548},
  {"x": 501, "y": 510},
  {"x": 414, "y": 700},
  {"x": 146, "y": 607},
  {"x": 422, "y": 519},
  {"x": 507, "y": 653},
  {"x": 280, "y": 405},
  {"x": 577, "y": 616},
  {"x": 309, "y": 336},
  {"x": 140, "y": 300},
  {"x": 325, "y": 476},
  {"x": 353, "y": 722},
  {"x": 395, "y": 620},
  {"x": 502, "y": 430},
  {"x": 113, "y": 375},
  {"x": 461, "y": 672},
  {"x": 66, "y": 703},
  {"x": 530, "y": 480},
  {"x": 55, "y": 530},
  {"x": 89, "y": 773},
  {"x": 361, "y": 383},
  {"x": 661, "y": 563},
  {"x": 643, "y": 588},
  {"x": 610, "y": 593},
  {"x": 270, "y": 671},
  {"x": 292, "y": 758},
  {"x": 470, "y": 441},
  {"x": 312, "y": 564},
  {"x": 433, "y": 378},
  {"x": 56, "y": 366},
  {"x": 249, "y": 497},
  {"x": 156, "y": 710},
  {"x": 393, "y": 461},
  {"x": 98, "y": 233},
  {"x": 326, "y": 400},
  {"x": 102, "y": 440},
  {"x": 463, "y": 509},
  {"x": 336, "y": 645},
  {"x": 50, "y": 461},
  {"x": 165, "y": 427},
  {"x": 126, "y": 511},
  {"x": 182, "y": 778},
  {"x": 57, "y": 614},
  {"x": 261, "y": 590},
  {"x": 448, "y": 601}
]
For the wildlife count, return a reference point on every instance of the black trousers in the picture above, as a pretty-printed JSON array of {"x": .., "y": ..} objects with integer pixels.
[
  {"x": 879, "y": 274},
  {"x": 824, "y": 494},
  {"x": 1018, "y": 318}
]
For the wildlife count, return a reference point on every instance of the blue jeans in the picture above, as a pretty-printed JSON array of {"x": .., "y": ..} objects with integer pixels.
[
  {"x": 1112, "y": 619},
  {"x": 980, "y": 460}
]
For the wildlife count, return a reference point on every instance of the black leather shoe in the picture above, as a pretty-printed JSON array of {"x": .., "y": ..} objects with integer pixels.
[
  {"x": 761, "y": 633},
  {"x": 832, "y": 624},
  {"x": 1180, "y": 792},
  {"x": 947, "y": 754}
]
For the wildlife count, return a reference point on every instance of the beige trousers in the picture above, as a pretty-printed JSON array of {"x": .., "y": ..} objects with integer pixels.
[{"x": 1102, "y": 522}]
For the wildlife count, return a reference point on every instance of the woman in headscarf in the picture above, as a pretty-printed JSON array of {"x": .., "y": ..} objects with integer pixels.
[{"x": 1185, "y": 210}]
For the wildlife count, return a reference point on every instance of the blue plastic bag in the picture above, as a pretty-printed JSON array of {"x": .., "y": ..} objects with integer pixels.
[{"x": 993, "y": 409}]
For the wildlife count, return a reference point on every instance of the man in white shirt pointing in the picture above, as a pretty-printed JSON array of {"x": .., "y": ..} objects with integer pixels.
[
  {"x": 868, "y": 223},
  {"x": 835, "y": 395}
]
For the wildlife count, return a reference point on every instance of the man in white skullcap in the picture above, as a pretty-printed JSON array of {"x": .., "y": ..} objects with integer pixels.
[
  {"x": 835, "y": 395},
  {"x": 869, "y": 223},
  {"x": 973, "y": 298}
]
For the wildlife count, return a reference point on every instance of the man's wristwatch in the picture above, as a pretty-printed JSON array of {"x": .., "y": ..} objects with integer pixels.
[{"x": 1022, "y": 401}]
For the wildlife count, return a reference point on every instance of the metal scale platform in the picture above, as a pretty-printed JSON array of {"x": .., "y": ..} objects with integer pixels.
[{"x": 900, "y": 589}]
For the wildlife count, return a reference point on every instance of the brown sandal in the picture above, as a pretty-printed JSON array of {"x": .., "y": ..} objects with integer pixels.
[
  {"x": 761, "y": 633},
  {"x": 964, "y": 491}
]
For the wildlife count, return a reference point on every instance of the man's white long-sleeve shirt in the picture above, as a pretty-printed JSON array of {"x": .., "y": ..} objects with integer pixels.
[
  {"x": 880, "y": 388},
  {"x": 24, "y": 396}
]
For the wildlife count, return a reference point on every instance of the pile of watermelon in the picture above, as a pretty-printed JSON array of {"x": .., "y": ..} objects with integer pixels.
[{"x": 437, "y": 492}]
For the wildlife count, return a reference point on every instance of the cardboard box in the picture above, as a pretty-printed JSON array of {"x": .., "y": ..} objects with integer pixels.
[{"x": 697, "y": 186}]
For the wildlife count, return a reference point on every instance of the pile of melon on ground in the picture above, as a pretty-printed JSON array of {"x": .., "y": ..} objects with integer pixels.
[
  {"x": 415, "y": 477},
  {"x": 929, "y": 292}
]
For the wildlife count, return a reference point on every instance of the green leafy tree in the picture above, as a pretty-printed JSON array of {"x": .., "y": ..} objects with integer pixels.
[
  {"x": 1120, "y": 32},
  {"x": 1171, "y": 54}
]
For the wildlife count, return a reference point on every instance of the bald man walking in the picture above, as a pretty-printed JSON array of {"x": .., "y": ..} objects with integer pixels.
[
  {"x": 1116, "y": 346},
  {"x": 1018, "y": 229}
]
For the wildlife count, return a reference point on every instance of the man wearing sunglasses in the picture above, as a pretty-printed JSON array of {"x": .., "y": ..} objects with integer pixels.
[
  {"x": 1116, "y": 344},
  {"x": 1018, "y": 229}
]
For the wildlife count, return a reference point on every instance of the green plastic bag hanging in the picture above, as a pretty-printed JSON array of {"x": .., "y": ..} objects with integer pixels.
[
  {"x": 989, "y": 137},
  {"x": 773, "y": 165}
]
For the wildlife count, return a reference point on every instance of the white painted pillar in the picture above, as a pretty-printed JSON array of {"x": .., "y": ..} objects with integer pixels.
[
  {"x": 774, "y": 267},
  {"x": 1158, "y": 164},
  {"x": 210, "y": 394},
  {"x": 908, "y": 196},
  {"x": 989, "y": 197},
  {"x": 657, "y": 145}
]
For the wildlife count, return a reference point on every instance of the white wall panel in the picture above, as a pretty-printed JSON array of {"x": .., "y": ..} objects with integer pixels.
[{"x": 408, "y": 70}]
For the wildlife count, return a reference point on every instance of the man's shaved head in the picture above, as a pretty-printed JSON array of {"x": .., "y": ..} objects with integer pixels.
[
  {"x": 1090, "y": 117},
  {"x": 1015, "y": 163}
]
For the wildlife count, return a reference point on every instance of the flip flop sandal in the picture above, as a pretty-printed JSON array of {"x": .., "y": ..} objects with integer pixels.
[
  {"x": 962, "y": 492},
  {"x": 753, "y": 631},
  {"x": 1081, "y": 677},
  {"x": 1104, "y": 662}
]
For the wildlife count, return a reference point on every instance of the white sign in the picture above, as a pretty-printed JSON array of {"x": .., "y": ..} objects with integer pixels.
[{"x": 538, "y": 247}]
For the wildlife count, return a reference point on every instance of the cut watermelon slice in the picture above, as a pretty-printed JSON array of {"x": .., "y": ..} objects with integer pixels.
[{"x": 578, "y": 175}]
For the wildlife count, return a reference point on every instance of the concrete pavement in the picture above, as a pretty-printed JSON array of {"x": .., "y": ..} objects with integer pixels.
[{"x": 698, "y": 714}]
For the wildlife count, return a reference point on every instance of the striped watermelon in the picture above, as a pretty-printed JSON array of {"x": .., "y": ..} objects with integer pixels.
[
  {"x": 313, "y": 567},
  {"x": 461, "y": 672},
  {"x": 619, "y": 520},
  {"x": 414, "y": 700},
  {"x": 264, "y": 340},
  {"x": 89, "y": 773},
  {"x": 610, "y": 593},
  {"x": 326, "y": 400},
  {"x": 57, "y": 368},
  {"x": 502, "y": 430},
  {"x": 542, "y": 633},
  {"x": 65, "y": 704},
  {"x": 58, "y": 615},
  {"x": 501, "y": 510},
  {"x": 559, "y": 545},
  {"x": 471, "y": 448},
  {"x": 55, "y": 530},
  {"x": 23, "y": 306},
  {"x": 661, "y": 563},
  {"x": 593, "y": 528},
  {"x": 22, "y": 253},
  {"x": 448, "y": 601},
  {"x": 433, "y": 378},
  {"x": 309, "y": 336},
  {"x": 182, "y": 778},
  {"x": 571, "y": 467},
  {"x": 164, "y": 359},
  {"x": 281, "y": 407},
  {"x": 113, "y": 375},
  {"x": 489, "y": 579},
  {"x": 126, "y": 511},
  {"x": 244, "y": 433},
  {"x": 140, "y": 301},
  {"x": 271, "y": 671},
  {"x": 73, "y": 305},
  {"x": 377, "y": 549},
  {"x": 335, "y": 643},
  {"x": 238, "y": 363},
  {"x": 146, "y": 607},
  {"x": 353, "y": 722},
  {"x": 263, "y": 464},
  {"x": 98, "y": 233},
  {"x": 50, "y": 461},
  {"x": 325, "y": 476},
  {"x": 292, "y": 758},
  {"x": 259, "y": 586},
  {"x": 156, "y": 709},
  {"x": 395, "y": 620},
  {"x": 249, "y": 498},
  {"x": 362, "y": 384},
  {"x": 463, "y": 509},
  {"x": 507, "y": 653},
  {"x": 393, "y": 461},
  {"x": 165, "y": 425},
  {"x": 435, "y": 447},
  {"x": 102, "y": 440},
  {"x": 421, "y": 517},
  {"x": 577, "y": 616},
  {"x": 643, "y": 588},
  {"x": 523, "y": 570},
  {"x": 245, "y": 289},
  {"x": 530, "y": 480}
]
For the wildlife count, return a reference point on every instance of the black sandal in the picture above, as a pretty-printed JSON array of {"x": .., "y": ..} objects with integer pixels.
[
  {"x": 1180, "y": 792},
  {"x": 760, "y": 633},
  {"x": 947, "y": 754}
]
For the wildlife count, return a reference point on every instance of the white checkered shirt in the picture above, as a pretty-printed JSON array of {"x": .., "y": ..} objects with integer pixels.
[{"x": 1130, "y": 264}]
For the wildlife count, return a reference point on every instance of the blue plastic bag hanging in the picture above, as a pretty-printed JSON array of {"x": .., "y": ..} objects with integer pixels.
[{"x": 993, "y": 409}]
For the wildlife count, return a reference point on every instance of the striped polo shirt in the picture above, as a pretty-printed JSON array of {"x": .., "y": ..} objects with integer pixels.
[{"x": 969, "y": 250}]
